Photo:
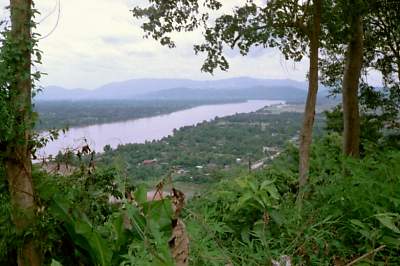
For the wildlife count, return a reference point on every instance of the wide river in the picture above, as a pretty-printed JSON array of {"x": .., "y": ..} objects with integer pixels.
[{"x": 146, "y": 129}]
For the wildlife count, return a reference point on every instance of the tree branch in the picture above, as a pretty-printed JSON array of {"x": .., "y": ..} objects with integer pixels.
[{"x": 366, "y": 255}]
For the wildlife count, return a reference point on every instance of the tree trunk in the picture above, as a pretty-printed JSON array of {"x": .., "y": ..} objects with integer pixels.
[
  {"x": 18, "y": 163},
  {"x": 309, "y": 112},
  {"x": 352, "y": 73}
]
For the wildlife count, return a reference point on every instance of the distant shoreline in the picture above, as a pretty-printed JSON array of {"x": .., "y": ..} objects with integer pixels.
[{"x": 184, "y": 105}]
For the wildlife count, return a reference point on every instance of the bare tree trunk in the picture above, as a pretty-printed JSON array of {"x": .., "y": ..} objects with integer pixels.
[
  {"x": 309, "y": 112},
  {"x": 18, "y": 163},
  {"x": 352, "y": 73}
]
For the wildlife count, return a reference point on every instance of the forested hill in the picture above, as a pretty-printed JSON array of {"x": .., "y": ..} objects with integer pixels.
[
  {"x": 132, "y": 89},
  {"x": 271, "y": 93}
]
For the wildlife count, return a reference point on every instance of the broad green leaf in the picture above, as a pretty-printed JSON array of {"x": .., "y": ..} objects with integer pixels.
[
  {"x": 98, "y": 248},
  {"x": 253, "y": 187},
  {"x": 243, "y": 199},
  {"x": 262, "y": 201},
  {"x": 273, "y": 192},
  {"x": 140, "y": 194},
  {"x": 138, "y": 220},
  {"x": 391, "y": 241},
  {"x": 266, "y": 183},
  {"x": 358, "y": 223},
  {"x": 55, "y": 263},
  {"x": 159, "y": 211},
  {"x": 387, "y": 221}
]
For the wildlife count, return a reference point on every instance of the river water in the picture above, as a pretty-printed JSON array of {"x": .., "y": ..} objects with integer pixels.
[{"x": 146, "y": 129}]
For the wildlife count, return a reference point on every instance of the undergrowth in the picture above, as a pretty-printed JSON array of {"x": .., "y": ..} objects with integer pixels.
[
  {"x": 350, "y": 214},
  {"x": 351, "y": 207}
]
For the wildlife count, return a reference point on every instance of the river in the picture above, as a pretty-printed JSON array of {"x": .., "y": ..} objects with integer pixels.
[{"x": 146, "y": 129}]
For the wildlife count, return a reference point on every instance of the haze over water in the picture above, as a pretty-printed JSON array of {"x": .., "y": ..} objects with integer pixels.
[{"x": 146, "y": 129}]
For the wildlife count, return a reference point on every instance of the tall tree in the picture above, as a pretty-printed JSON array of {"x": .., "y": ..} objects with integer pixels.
[
  {"x": 291, "y": 26},
  {"x": 16, "y": 88},
  {"x": 309, "y": 113},
  {"x": 351, "y": 79},
  {"x": 364, "y": 35}
]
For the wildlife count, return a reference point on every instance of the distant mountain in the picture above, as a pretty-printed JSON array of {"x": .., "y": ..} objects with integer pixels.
[
  {"x": 138, "y": 88},
  {"x": 55, "y": 93},
  {"x": 253, "y": 93}
]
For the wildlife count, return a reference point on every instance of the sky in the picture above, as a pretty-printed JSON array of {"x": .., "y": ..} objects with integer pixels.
[{"x": 98, "y": 41}]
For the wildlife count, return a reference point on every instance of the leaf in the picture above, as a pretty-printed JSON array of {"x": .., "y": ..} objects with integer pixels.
[
  {"x": 98, "y": 248},
  {"x": 243, "y": 199},
  {"x": 361, "y": 228},
  {"x": 276, "y": 217},
  {"x": 159, "y": 211},
  {"x": 140, "y": 195},
  {"x": 391, "y": 241},
  {"x": 273, "y": 192},
  {"x": 82, "y": 233},
  {"x": 266, "y": 183},
  {"x": 245, "y": 234},
  {"x": 119, "y": 230},
  {"x": 138, "y": 221},
  {"x": 253, "y": 187},
  {"x": 55, "y": 263},
  {"x": 358, "y": 223},
  {"x": 263, "y": 200},
  {"x": 241, "y": 183},
  {"x": 387, "y": 221}
]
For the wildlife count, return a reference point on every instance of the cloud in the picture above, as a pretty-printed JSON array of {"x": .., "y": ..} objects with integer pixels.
[
  {"x": 98, "y": 41},
  {"x": 114, "y": 40}
]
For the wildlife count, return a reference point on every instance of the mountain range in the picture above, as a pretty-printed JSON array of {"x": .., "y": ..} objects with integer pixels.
[{"x": 185, "y": 89}]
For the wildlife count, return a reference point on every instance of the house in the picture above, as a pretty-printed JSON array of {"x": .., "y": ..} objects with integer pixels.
[
  {"x": 149, "y": 162},
  {"x": 181, "y": 171}
]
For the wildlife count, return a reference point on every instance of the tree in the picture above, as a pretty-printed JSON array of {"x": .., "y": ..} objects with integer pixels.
[
  {"x": 16, "y": 144},
  {"x": 351, "y": 51},
  {"x": 309, "y": 113},
  {"x": 382, "y": 53},
  {"x": 288, "y": 25},
  {"x": 342, "y": 63},
  {"x": 383, "y": 40},
  {"x": 351, "y": 78}
]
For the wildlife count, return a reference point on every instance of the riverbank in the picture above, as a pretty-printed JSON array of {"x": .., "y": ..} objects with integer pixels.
[
  {"x": 71, "y": 114},
  {"x": 146, "y": 129}
]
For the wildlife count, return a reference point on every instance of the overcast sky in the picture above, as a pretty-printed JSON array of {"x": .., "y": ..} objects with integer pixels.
[{"x": 98, "y": 41}]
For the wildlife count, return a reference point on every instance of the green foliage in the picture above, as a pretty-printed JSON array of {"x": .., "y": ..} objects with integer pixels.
[
  {"x": 345, "y": 214},
  {"x": 213, "y": 145},
  {"x": 282, "y": 24},
  {"x": 12, "y": 57},
  {"x": 80, "y": 226},
  {"x": 8, "y": 239},
  {"x": 379, "y": 125}
]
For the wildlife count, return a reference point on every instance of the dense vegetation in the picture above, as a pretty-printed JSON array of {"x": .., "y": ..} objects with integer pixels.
[
  {"x": 349, "y": 210},
  {"x": 62, "y": 114},
  {"x": 196, "y": 151},
  {"x": 335, "y": 202}
]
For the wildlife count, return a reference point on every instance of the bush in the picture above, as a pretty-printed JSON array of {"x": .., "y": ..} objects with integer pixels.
[{"x": 351, "y": 207}]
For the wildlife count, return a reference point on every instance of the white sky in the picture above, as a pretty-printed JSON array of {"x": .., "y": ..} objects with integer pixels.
[{"x": 98, "y": 41}]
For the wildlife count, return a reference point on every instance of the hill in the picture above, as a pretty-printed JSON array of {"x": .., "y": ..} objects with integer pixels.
[
  {"x": 138, "y": 88},
  {"x": 252, "y": 93}
]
